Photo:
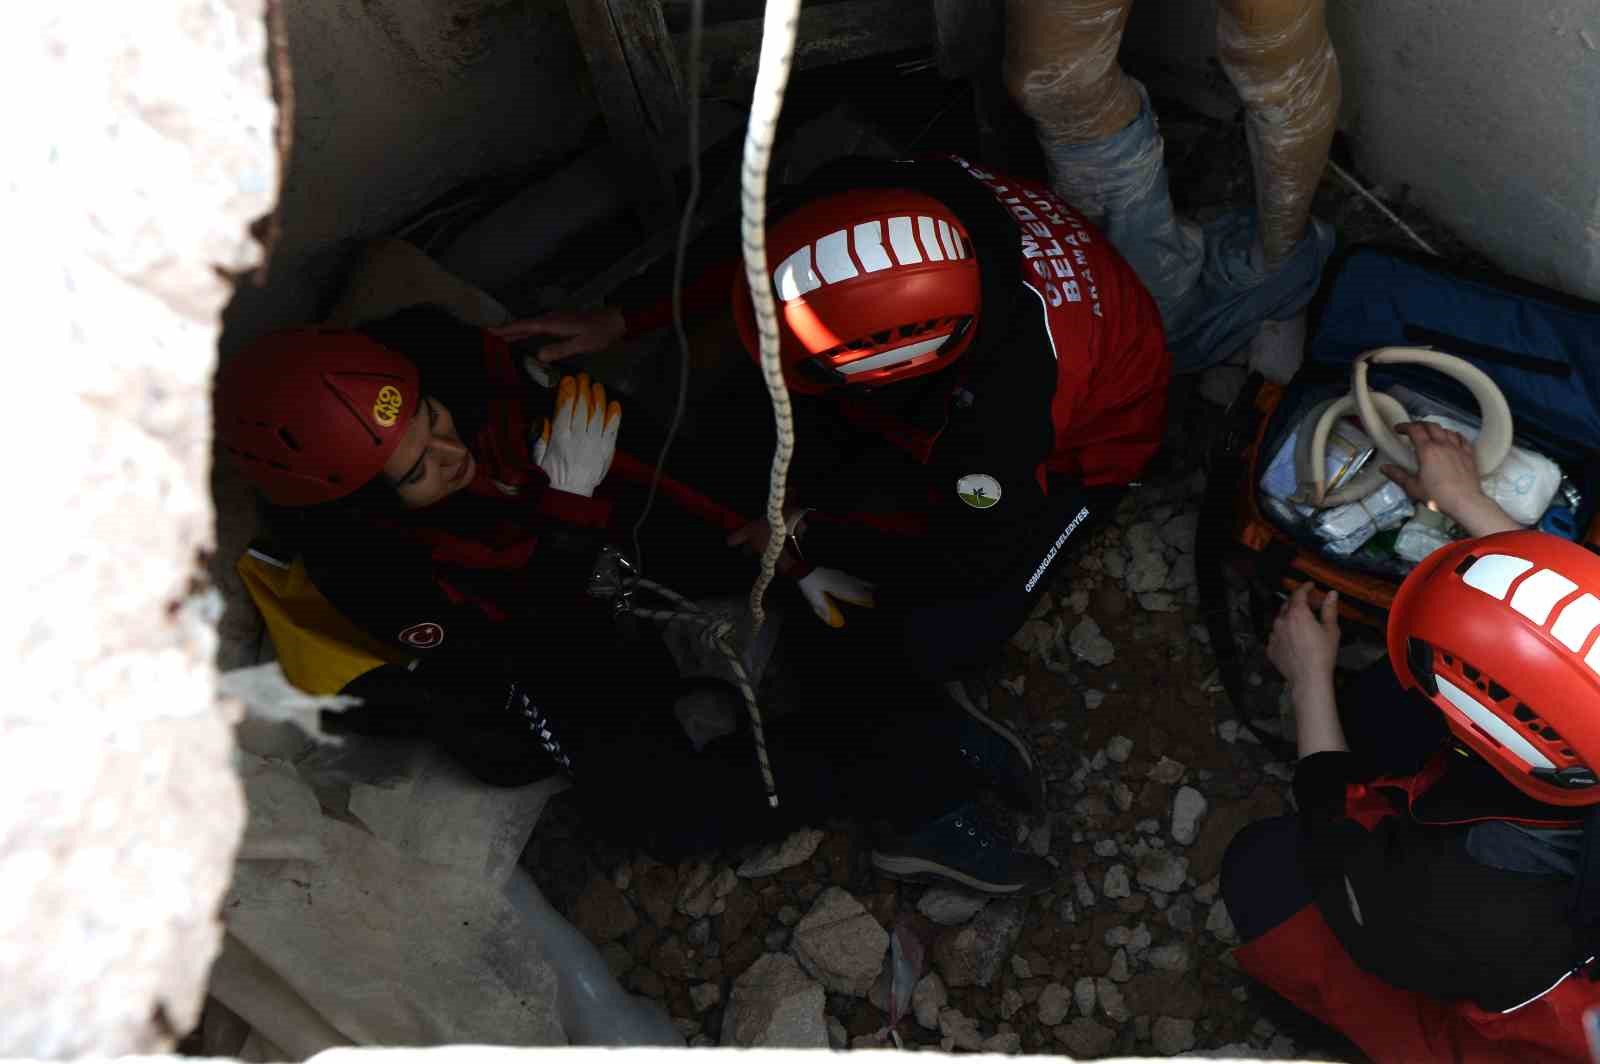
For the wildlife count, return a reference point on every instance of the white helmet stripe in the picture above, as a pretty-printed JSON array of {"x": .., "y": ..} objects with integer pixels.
[
  {"x": 944, "y": 238},
  {"x": 869, "y": 247},
  {"x": 1538, "y": 594},
  {"x": 1573, "y": 625},
  {"x": 794, "y": 276},
  {"x": 897, "y": 355},
  {"x": 833, "y": 258},
  {"x": 1497, "y": 729},
  {"x": 1593, "y": 660},
  {"x": 1493, "y": 574},
  {"x": 904, "y": 244},
  {"x": 930, "y": 238}
]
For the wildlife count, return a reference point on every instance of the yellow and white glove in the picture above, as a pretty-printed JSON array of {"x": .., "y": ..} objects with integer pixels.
[
  {"x": 578, "y": 442},
  {"x": 824, "y": 589}
]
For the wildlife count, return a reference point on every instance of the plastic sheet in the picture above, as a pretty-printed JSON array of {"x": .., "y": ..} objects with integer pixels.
[
  {"x": 1278, "y": 56},
  {"x": 1061, "y": 67}
]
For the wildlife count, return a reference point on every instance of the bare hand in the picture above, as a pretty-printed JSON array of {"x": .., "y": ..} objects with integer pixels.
[
  {"x": 579, "y": 332},
  {"x": 1447, "y": 468},
  {"x": 1304, "y": 644}
]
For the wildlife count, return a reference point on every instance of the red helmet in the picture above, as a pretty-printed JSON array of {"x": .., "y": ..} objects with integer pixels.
[
  {"x": 1501, "y": 634},
  {"x": 873, "y": 286},
  {"x": 310, "y": 415}
]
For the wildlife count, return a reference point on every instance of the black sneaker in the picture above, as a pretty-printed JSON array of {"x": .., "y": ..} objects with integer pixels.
[
  {"x": 998, "y": 753},
  {"x": 968, "y": 850}
]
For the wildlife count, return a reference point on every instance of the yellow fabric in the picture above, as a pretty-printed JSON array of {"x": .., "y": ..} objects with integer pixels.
[{"x": 319, "y": 649}]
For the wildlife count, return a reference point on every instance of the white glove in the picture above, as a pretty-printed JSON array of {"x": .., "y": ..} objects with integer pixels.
[
  {"x": 578, "y": 442},
  {"x": 821, "y": 587}
]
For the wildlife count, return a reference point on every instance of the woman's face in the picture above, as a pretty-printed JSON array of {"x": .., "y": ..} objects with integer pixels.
[{"x": 431, "y": 461}]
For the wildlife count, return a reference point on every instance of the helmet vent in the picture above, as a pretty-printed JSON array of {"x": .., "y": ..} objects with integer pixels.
[
  {"x": 1466, "y": 563},
  {"x": 1523, "y": 713}
]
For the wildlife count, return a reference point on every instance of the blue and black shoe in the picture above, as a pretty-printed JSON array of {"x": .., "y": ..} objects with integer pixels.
[
  {"x": 968, "y": 850},
  {"x": 999, "y": 754}
]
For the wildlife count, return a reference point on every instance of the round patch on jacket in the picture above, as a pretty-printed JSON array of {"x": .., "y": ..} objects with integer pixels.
[
  {"x": 978, "y": 490},
  {"x": 422, "y": 636}
]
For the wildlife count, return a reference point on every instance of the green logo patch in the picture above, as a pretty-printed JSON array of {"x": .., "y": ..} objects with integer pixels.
[{"x": 978, "y": 490}]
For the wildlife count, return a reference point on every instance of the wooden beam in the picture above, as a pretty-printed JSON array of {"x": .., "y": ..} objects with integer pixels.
[
  {"x": 634, "y": 72},
  {"x": 830, "y": 33}
]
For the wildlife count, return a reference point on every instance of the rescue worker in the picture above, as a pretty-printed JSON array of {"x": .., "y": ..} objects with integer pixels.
[
  {"x": 442, "y": 515},
  {"x": 1438, "y": 896},
  {"x": 977, "y": 376}
]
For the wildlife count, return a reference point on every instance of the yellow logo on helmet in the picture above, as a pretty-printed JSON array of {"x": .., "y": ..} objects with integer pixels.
[{"x": 387, "y": 408}]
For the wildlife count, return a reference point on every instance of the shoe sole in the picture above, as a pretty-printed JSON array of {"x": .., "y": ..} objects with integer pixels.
[
  {"x": 919, "y": 870},
  {"x": 1009, "y": 734}
]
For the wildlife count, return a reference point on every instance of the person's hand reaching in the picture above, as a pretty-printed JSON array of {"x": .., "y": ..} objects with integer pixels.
[
  {"x": 1304, "y": 643},
  {"x": 1447, "y": 479},
  {"x": 580, "y": 438},
  {"x": 577, "y": 332}
]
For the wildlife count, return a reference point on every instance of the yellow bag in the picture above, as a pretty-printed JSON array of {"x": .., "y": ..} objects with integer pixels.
[{"x": 319, "y": 649}]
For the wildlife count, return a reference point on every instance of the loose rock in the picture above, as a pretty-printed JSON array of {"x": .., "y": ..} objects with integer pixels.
[
  {"x": 1188, "y": 806},
  {"x": 705, "y": 995},
  {"x": 1116, "y": 884},
  {"x": 1004, "y": 1042},
  {"x": 1085, "y": 1038},
  {"x": 775, "y": 1004},
  {"x": 961, "y": 1029},
  {"x": 1220, "y": 923},
  {"x": 1083, "y": 995},
  {"x": 1163, "y": 871},
  {"x": 1173, "y": 957},
  {"x": 1172, "y": 1036},
  {"x": 792, "y": 851},
  {"x": 1092, "y": 698},
  {"x": 974, "y": 954},
  {"x": 928, "y": 998},
  {"x": 948, "y": 907},
  {"x": 1011, "y": 1003},
  {"x": 838, "y": 1037},
  {"x": 840, "y": 943},
  {"x": 1119, "y": 748},
  {"x": 1055, "y": 1001},
  {"x": 1090, "y": 644},
  {"x": 1109, "y": 997},
  {"x": 1119, "y": 972},
  {"x": 1167, "y": 771}
]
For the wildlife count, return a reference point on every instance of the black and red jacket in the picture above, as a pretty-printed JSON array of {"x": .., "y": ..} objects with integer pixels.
[{"x": 1072, "y": 390}]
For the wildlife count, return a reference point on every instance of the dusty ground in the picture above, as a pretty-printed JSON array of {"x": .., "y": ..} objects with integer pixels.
[{"x": 1131, "y": 952}]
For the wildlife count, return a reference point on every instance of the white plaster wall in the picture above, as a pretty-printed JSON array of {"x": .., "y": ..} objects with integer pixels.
[
  {"x": 1490, "y": 111},
  {"x": 1487, "y": 111},
  {"x": 395, "y": 103}
]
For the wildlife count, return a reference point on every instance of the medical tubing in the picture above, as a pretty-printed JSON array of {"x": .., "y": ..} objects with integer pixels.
[{"x": 772, "y": 74}]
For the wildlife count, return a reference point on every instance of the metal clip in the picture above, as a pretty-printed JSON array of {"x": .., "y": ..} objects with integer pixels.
[{"x": 613, "y": 577}]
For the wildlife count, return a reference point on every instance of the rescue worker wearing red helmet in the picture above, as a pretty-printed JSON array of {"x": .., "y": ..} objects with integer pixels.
[
  {"x": 1438, "y": 896},
  {"x": 400, "y": 467},
  {"x": 958, "y": 342}
]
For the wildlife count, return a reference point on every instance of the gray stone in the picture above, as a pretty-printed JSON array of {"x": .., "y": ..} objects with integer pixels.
[
  {"x": 1116, "y": 884},
  {"x": 788, "y": 916},
  {"x": 974, "y": 955},
  {"x": 704, "y": 995},
  {"x": 1172, "y": 1036},
  {"x": 1139, "y": 940},
  {"x": 1090, "y": 644},
  {"x": 1055, "y": 1001},
  {"x": 1144, "y": 538},
  {"x": 775, "y": 1004},
  {"x": 948, "y": 906},
  {"x": 1011, "y": 1002},
  {"x": 696, "y": 891},
  {"x": 1178, "y": 533},
  {"x": 1166, "y": 771},
  {"x": 1105, "y": 848},
  {"x": 1162, "y": 602},
  {"x": 1080, "y": 884},
  {"x": 928, "y": 998},
  {"x": 1008, "y": 1042},
  {"x": 1122, "y": 794},
  {"x": 1206, "y": 892},
  {"x": 1182, "y": 576},
  {"x": 1220, "y": 924},
  {"x": 1085, "y": 1039},
  {"x": 961, "y": 1029},
  {"x": 1083, "y": 995},
  {"x": 1148, "y": 826},
  {"x": 1163, "y": 871},
  {"x": 1114, "y": 562},
  {"x": 1180, "y": 917},
  {"x": 1109, "y": 997},
  {"x": 1148, "y": 572},
  {"x": 1188, "y": 807},
  {"x": 1119, "y": 971},
  {"x": 794, "y": 850},
  {"x": 1119, "y": 748},
  {"x": 1173, "y": 957},
  {"x": 1092, "y": 699},
  {"x": 840, "y": 943},
  {"x": 1020, "y": 967},
  {"x": 838, "y": 1037}
]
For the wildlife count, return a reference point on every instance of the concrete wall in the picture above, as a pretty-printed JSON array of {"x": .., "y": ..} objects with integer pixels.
[
  {"x": 1485, "y": 109},
  {"x": 396, "y": 102}
]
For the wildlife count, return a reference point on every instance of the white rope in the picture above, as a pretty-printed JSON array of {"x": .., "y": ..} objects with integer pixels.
[
  {"x": 718, "y": 632},
  {"x": 1382, "y": 206},
  {"x": 772, "y": 76}
]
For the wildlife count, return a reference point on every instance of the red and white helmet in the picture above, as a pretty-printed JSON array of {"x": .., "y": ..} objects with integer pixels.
[
  {"x": 1503, "y": 635},
  {"x": 310, "y": 415},
  {"x": 873, "y": 286}
]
